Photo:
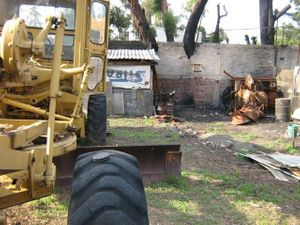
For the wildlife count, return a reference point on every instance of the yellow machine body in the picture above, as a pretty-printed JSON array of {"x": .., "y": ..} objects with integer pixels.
[{"x": 51, "y": 54}]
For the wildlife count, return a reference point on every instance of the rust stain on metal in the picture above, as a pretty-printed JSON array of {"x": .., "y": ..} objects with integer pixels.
[
  {"x": 252, "y": 97},
  {"x": 156, "y": 162}
]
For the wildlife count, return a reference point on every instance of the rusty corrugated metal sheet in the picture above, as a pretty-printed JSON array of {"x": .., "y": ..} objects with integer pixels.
[{"x": 134, "y": 54}]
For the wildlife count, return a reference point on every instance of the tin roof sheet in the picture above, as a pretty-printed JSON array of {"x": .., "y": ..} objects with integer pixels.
[{"x": 132, "y": 54}]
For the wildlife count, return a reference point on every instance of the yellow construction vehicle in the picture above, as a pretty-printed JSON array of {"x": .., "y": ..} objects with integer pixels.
[{"x": 52, "y": 54}]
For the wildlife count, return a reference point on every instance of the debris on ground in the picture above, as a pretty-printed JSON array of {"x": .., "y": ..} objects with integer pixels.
[
  {"x": 254, "y": 102},
  {"x": 166, "y": 119},
  {"x": 252, "y": 98},
  {"x": 284, "y": 167},
  {"x": 165, "y": 104}
]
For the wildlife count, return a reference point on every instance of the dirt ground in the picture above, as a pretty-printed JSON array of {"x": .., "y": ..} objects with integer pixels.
[{"x": 209, "y": 142}]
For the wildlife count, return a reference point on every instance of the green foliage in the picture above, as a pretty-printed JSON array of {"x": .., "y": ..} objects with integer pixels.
[
  {"x": 170, "y": 23},
  {"x": 288, "y": 35},
  {"x": 156, "y": 6},
  {"x": 189, "y": 5},
  {"x": 153, "y": 31},
  {"x": 209, "y": 38},
  {"x": 165, "y": 19},
  {"x": 296, "y": 15},
  {"x": 120, "y": 21},
  {"x": 147, "y": 6}
]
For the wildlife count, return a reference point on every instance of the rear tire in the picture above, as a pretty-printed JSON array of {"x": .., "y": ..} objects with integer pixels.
[
  {"x": 96, "y": 120},
  {"x": 107, "y": 189}
]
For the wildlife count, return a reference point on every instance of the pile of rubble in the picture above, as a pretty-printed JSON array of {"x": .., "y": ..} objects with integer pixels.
[
  {"x": 251, "y": 102},
  {"x": 166, "y": 119}
]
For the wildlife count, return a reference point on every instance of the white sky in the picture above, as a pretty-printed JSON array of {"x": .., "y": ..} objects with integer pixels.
[
  {"x": 243, "y": 15},
  {"x": 242, "y": 18}
]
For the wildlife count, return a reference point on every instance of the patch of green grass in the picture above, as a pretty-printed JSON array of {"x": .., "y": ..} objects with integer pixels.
[
  {"x": 261, "y": 192},
  {"x": 50, "y": 206},
  {"x": 245, "y": 137},
  {"x": 282, "y": 145},
  {"x": 216, "y": 128},
  {"x": 172, "y": 135},
  {"x": 172, "y": 182},
  {"x": 209, "y": 178},
  {"x": 126, "y": 122},
  {"x": 184, "y": 207},
  {"x": 148, "y": 122},
  {"x": 135, "y": 134},
  {"x": 147, "y": 135},
  {"x": 204, "y": 197}
]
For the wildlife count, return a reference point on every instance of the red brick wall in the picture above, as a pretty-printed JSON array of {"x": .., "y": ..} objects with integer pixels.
[
  {"x": 183, "y": 87},
  {"x": 199, "y": 91}
]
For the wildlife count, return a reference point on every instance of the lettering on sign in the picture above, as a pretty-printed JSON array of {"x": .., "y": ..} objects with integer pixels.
[{"x": 129, "y": 76}]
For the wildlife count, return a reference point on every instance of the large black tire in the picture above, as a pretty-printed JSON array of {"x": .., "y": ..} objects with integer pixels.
[
  {"x": 107, "y": 189},
  {"x": 96, "y": 120}
]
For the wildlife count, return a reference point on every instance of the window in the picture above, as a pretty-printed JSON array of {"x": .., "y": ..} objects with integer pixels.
[
  {"x": 68, "y": 44},
  {"x": 35, "y": 15},
  {"x": 98, "y": 22},
  {"x": 97, "y": 75}
]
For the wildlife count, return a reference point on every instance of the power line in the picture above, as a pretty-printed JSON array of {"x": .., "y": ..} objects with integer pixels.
[{"x": 252, "y": 28}]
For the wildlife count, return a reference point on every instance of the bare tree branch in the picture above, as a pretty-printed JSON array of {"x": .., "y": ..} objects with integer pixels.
[
  {"x": 191, "y": 27},
  {"x": 225, "y": 14},
  {"x": 283, "y": 11}
]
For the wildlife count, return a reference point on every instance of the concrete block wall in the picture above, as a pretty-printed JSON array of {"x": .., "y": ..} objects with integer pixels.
[{"x": 177, "y": 72}]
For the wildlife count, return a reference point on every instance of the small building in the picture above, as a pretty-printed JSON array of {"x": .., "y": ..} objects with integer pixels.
[{"x": 130, "y": 76}]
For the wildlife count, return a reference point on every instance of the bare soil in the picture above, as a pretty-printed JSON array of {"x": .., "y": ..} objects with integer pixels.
[{"x": 209, "y": 142}]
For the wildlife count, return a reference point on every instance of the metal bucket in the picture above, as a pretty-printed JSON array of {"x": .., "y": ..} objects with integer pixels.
[
  {"x": 157, "y": 162},
  {"x": 283, "y": 109},
  {"x": 292, "y": 130}
]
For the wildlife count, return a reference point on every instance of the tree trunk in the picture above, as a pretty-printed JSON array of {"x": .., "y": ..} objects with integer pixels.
[
  {"x": 164, "y": 6},
  {"x": 164, "y": 10},
  {"x": 191, "y": 27},
  {"x": 141, "y": 24},
  {"x": 267, "y": 21},
  {"x": 216, "y": 37},
  {"x": 170, "y": 37}
]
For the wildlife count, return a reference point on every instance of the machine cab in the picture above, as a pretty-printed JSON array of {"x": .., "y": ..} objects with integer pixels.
[{"x": 86, "y": 35}]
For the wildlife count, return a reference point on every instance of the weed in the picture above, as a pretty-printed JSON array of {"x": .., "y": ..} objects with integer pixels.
[
  {"x": 205, "y": 177},
  {"x": 126, "y": 122},
  {"x": 135, "y": 134},
  {"x": 184, "y": 207},
  {"x": 172, "y": 182},
  {"x": 174, "y": 136},
  {"x": 245, "y": 137},
  {"x": 148, "y": 122},
  {"x": 283, "y": 145},
  {"x": 41, "y": 206},
  {"x": 216, "y": 128},
  {"x": 177, "y": 182},
  {"x": 241, "y": 156}
]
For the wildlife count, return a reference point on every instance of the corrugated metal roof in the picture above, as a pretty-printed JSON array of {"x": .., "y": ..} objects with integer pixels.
[{"x": 134, "y": 54}]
